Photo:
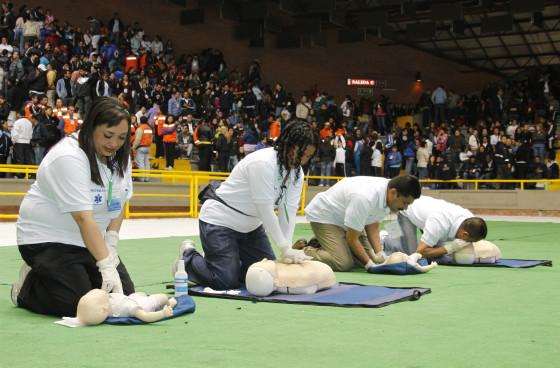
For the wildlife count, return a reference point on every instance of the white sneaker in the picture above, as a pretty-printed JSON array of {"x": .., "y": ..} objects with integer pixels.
[
  {"x": 16, "y": 287},
  {"x": 185, "y": 245},
  {"x": 168, "y": 168}
]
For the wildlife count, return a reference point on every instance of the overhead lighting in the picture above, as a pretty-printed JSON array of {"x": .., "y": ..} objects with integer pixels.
[{"x": 418, "y": 77}]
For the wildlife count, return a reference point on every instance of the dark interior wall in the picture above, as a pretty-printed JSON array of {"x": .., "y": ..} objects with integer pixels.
[{"x": 297, "y": 69}]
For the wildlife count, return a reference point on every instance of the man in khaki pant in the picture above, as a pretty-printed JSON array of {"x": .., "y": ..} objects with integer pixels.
[{"x": 345, "y": 219}]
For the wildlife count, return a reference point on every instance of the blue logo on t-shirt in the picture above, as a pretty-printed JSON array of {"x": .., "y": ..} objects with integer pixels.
[{"x": 97, "y": 199}]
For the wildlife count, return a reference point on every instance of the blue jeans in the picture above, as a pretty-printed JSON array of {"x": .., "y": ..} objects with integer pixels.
[
  {"x": 326, "y": 170},
  {"x": 538, "y": 150},
  {"x": 227, "y": 256},
  {"x": 422, "y": 172},
  {"x": 410, "y": 166},
  {"x": 39, "y": 154},
  {"x": 357, "y": 165}
]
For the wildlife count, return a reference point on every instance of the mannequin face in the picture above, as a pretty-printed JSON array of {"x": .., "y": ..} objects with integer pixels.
[
  {"x": 94, "y": 307},
  {"x": 108, "y": 140}
]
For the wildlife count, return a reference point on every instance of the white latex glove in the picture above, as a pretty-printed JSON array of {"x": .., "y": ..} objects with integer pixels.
[
  {"x": 455, "y": 245},
  {"x": 112, "y": 241},
  {"x": 379, "y": 257},
  {"x": 369, "y": 264},
  {"x": 290, "y": 255},
  {"x": 111, "y": 279}
]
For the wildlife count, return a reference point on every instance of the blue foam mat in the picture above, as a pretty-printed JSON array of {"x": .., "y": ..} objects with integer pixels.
[
  {"x": 509, "y": 263},
  {"x": 341, "y": 295},
  {"x": 401, "y": 268},
  {"x": 185, "y": 304}
]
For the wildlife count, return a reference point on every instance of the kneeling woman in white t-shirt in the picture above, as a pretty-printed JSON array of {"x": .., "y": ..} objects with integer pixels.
[
  {"x": 68, "y": 224},
  {"x": 235, "y": 229}
]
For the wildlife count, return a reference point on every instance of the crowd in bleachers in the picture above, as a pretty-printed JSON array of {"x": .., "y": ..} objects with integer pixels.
[{"x": 198, "y": 108}]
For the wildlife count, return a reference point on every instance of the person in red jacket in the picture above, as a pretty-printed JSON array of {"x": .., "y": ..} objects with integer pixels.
[{"x": 169, "y": 130}]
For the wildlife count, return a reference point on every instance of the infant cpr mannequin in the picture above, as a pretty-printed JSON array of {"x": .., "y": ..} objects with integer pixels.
[
  {"x": 265, "y": 277},
  {"x": 97, "y": 305},
  {"x": 412, "y": 260},
  {"x": 481, "y": 251}
]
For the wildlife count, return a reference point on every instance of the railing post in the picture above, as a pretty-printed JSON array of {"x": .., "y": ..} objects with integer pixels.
[
  {"x": 190, "y": 196},
  {"x": 476, "y": 185},
  {"x": 522, "y": 186},
  {"x": 303, "y": 195},
  {"x": 127, "y": 210},
  {"x": 195, "y": 193}
]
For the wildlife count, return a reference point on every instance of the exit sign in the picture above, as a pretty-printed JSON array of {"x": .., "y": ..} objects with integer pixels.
[{"x": 361, "y": 82}]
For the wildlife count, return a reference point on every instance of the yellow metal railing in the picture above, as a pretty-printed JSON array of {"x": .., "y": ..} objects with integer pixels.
[{"x": 194, "y": 179}]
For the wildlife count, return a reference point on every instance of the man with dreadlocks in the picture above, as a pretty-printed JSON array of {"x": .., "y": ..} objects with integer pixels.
[
  {"x": 345, "y": 219},
  {"x": 235, "y": 225}
]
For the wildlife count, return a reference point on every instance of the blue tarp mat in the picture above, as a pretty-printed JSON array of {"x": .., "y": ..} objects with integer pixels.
[
  {"x": 341, "y": 295},
  {"x": 185, "y": 304},
  {"x": 510, "y": 263},
  {"x": 402, "y": 268}
]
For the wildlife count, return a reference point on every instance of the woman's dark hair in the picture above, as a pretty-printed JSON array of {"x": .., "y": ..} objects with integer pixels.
[
  {"x": 296, "y": 134},
  {"x": 105, "y": 110}
]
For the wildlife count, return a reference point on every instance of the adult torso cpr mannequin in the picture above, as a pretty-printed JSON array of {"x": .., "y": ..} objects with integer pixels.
[{"x": 265, "y": 277}]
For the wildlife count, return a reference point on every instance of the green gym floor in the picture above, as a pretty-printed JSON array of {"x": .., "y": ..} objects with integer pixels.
[{"x": 474, "y": 317}]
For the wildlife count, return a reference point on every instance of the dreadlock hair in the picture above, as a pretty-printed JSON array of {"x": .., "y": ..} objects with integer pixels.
[{"x": 298, "y": 134}]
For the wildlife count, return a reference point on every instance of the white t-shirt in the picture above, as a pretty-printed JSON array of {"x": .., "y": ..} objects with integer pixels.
[
  {"x": 376, "y": 158},
  {"x": 439, "y": 219},
  {"x": 63, "y": 186},
  {"x": 351, "y": 203},
  {"x": 254, "y": 180}
]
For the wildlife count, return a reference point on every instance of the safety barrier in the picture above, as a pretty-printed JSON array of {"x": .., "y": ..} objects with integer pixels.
[{"x": 196, "y": 178}]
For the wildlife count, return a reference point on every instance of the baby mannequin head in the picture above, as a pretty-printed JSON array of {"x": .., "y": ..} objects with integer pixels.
[{"x": 94, "y": 307}]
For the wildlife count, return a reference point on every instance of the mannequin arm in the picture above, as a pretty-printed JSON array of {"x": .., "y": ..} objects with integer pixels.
[
  {"x": 427, "y": 268},
  {"x": 153, "y": 316},
  {"x": 430, "y": 252},
  {"x": 353, "y": 240}
]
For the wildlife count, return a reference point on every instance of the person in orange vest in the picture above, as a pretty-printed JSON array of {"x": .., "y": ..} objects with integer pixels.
[
  {"x": 274, "y": 130},
  {"x": 59, "y": 108},
  {"x": 159, "y": 121},
  {"x": 133, "y": 126},
  {"x": 131, "y": 62},
  {"x": 33, "y": 107},
  {"x": 68, "y": 122},
  {"x": 141, "y": 145},
  {"x": 326, "y": 131},
  {"x": 143, "y": 59},
  {"x": 169, "y": 130}
]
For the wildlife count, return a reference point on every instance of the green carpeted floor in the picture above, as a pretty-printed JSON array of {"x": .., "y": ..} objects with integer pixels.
[{"x": 475, "y": 317}]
